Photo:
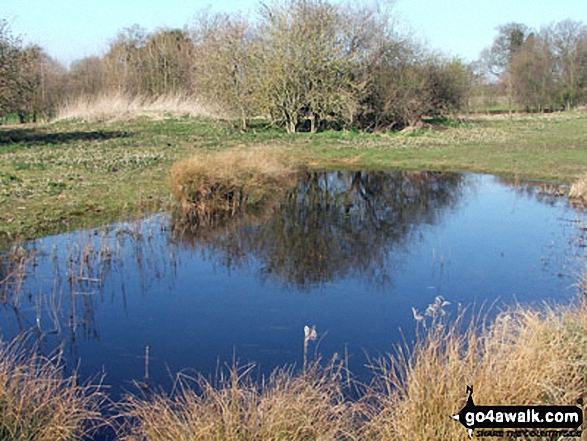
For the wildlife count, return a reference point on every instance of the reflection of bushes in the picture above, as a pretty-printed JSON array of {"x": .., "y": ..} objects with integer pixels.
[
  {"x": 336, "y": 224},
  {"x": 213, "y": 188}
]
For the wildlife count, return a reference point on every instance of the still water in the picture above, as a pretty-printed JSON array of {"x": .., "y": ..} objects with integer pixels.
[{"x": 355, "y": 254}]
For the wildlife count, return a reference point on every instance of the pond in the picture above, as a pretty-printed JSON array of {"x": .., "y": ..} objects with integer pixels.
[{"x": 358, "y": 255}]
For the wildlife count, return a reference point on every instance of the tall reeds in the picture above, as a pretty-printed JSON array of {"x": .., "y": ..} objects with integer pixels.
[
  {"x": 525, "y": 356},
  {"x": 116, "y": 107},
  {"x": 286, "y": 406},
  {"x": 578, "y": 192},
  {"x": 37, "y": 402}
]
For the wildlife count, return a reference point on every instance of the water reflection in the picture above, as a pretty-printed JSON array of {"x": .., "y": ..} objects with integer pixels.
[
  {"x": 53, "y": 287},
  {"x": 349, "y": 252},
  {"x": 335, "y": 225},
  {"x": 544, "y": 192}
]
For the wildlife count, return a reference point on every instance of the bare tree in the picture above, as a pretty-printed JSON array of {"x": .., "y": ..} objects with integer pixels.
[
  {"x": 569, "y": 47},
  {"x": 122, "y": 62},
  {"x": 166, "y": 62},
  {"x": 30, "y": 81},
  {"x": 227, "y": 64},
  {"x": 307, "y": 68},
  {"x": 88, "y": 76},
  {"x": 497, "y": 58},
  {"x": 10, "y": 61},
  {"x": 531, "y": 74}
]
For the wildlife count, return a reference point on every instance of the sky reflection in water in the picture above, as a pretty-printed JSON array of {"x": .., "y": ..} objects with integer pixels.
[{"x": 349, "y": 252}]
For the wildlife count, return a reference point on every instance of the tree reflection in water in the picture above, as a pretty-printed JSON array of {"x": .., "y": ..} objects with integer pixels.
[{"x": 334, "y": 225}]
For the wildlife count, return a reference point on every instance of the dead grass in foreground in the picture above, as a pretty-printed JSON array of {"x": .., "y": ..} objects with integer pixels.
[
  {"x": 212, "y": 188},
  {"x": 526, "y": 356},
  {"x": 119, "y": 107},
  {"x": 308, "y": 406},
  {"x": 38, "y": 403}
]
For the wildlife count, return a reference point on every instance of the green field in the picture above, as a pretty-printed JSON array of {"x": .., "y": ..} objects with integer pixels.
[{"x": 72, "y": 174}]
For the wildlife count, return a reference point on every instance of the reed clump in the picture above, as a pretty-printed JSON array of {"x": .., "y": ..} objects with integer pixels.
[
  {"x": 578, "y": 192},
  {"x": 38, "y": 403},
  {"x": 526, "y": 356},
  {"x": 305, "y": 406},
  {"x": 13, "y": 270},
  {"x": 212, "y": 188}
]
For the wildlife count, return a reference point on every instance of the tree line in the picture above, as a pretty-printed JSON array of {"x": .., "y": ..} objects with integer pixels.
[
  {"x": 31, "y": 83},
  {"x": 542, "y": 69},
  {"x": 305, "y": 65}
]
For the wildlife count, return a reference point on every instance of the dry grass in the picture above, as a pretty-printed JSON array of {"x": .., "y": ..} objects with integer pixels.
[
  {"x": 578, "y": 192},
  {"x": 310, "y": 406},
  {"x": 524, "y": 357},
  {"x": 38, "y": 403},
  {"x": 214, "y": 187},
  {"x": 13, "y": 270},
  {"x": 117, "y": 107}
]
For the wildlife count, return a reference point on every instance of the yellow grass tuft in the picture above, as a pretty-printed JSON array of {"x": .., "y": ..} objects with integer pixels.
[
  {"x": 310, "y": 406},
  {"x": 38, "y": 403},
  {"x": 117, "y": 107},
  {"x": 578, "y": 192},
  {"x": 524, "y": 357},
  {"x": 214, "y": 187}
]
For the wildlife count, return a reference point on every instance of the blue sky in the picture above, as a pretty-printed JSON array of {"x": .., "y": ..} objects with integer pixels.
[{"x": 70, "y": 30}]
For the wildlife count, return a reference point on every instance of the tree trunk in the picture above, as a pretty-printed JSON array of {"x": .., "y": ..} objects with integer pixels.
[
  {"x": 290, "y": 126},
  {"x": 312, "y": 119},
  {"x": 244, "y": 120}
]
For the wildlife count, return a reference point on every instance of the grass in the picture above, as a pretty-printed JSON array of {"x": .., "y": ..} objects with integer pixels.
[
  {"x": 578, "y": 192},
  {"x": 37, "y": 402},
  {"x": 286, "y": 406},
  {"x": 74, "y": 174},
  {"x": 121, "y": 107},
  {"x": 526, "y": 356}
]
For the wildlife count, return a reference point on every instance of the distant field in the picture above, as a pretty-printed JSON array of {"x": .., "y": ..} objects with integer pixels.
[{"x": 72, "y": 174}]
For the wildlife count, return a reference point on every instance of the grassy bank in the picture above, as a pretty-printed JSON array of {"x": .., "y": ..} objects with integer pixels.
[
  {"x": 72, "y": 174},
  {"x": 526, "y": 356},
  {"x": 37, "y": 402}
]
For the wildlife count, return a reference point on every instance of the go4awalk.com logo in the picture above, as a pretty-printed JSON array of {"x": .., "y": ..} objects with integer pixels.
[{"x": 519, "y": 421}]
